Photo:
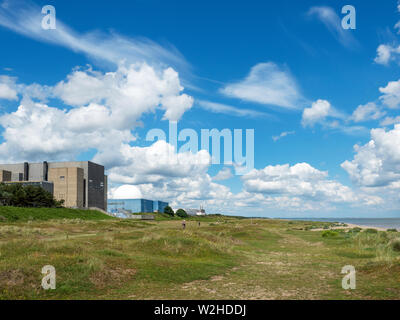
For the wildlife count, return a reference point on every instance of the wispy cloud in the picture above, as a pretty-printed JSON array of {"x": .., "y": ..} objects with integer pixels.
[
  {"x": 226, "y": 109},
  {"x": 333, "y": 23},
  {"x": 388, "y": 121},
  {"x": 267, "y": 84},
  {"x": 282, "y": 135},
  {"x": 25, "y": 17},
  {"x": 367, "y": 112},
  {"x": 8, "y": 89}
]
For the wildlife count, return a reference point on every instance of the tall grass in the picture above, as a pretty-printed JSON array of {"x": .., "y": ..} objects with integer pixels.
[{"x": 382, "y": 244}]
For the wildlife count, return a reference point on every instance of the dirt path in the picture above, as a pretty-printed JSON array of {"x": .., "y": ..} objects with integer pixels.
[{"x": 273, "y": 274}]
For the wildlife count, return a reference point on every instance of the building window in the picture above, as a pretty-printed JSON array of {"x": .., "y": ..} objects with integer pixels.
[{"x": 62, "y": 178}]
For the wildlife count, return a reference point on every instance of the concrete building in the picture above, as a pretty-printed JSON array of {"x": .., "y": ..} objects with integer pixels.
[
  {"x": 117, "y": 206},
  {"x": 196, "y": 212},
  {"x": 81, "y": 184},
  {"x": 68, "y": 185},
  {"x": 5, "y": 175}
]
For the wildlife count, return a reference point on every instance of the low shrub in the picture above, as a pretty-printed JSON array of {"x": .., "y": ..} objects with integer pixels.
[
  {"x": 370, "y": 230},
  {"x": 355, "y": 230},
  {"x": 391, "y": 230},
  {"x": 330, "y": 234},
  {"x": 395, "y": 244}
]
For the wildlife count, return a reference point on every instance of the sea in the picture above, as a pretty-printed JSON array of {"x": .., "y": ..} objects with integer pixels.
[{"x": 387, "y": 223}]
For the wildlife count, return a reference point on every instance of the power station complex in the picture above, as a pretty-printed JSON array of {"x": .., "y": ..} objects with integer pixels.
[{"x": 81, "y": 184}]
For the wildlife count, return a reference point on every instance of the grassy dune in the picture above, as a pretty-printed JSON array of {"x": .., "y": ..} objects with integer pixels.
[{"x": 224, "y": 258}]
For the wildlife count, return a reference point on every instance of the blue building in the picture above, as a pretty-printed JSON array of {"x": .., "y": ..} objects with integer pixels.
[
  {"x": 159, "y": 206},
  {"x": 134, "y": 206}
]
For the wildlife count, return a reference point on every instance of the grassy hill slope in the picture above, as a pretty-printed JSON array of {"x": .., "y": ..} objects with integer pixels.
[{"x": 10, "y": 214}]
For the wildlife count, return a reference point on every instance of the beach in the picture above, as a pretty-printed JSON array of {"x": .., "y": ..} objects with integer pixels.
[
  {"x": 351, "y": 226},
  {"x": 364, "y": 223}
]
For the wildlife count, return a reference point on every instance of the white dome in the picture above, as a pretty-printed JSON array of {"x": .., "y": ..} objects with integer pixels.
[{"x": 127, "y": 191}]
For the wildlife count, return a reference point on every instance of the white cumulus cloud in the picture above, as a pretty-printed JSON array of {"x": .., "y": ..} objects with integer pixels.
[
  {"x": 377, "y": 163},
  {"x": 128, "y": 93},
  {"x": 318, "y": 111},
  {"x": 385, "y": 53},
  {"x": 299, "y": 184},
  {"x": 157, "y": 163},
  {"x": 104, "y": 109},
  {"x": 391, "y": 94}
]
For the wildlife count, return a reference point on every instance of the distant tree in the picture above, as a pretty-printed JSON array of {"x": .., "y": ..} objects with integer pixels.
[
  {"x": 181, "y": 213},
  {"x": 168, "y": 210},
  {"x": 18, "y": 195}
]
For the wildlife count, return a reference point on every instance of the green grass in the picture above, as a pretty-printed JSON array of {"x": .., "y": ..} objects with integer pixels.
[
  {"x": 98, "y": 257},
  {"x": 12, "y": 214}
]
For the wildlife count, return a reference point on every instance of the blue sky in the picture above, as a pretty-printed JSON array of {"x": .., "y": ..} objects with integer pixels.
[{"x": 286, "y": 69}]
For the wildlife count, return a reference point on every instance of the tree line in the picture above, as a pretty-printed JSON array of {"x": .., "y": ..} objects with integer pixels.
[
  {"x": 180, "y": 212},
  {"x": 19, "y": 195}
]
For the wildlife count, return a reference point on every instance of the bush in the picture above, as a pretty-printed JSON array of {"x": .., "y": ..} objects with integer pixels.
[
  {"x": 391, "y": 230},
  {"x": 168, "y": 210},
  {"x": 329, "y": 234},
  {"x": 181, "y": 213},
  {"x": 395, "y": 244},
  {"x": 355, "y": 230},
  {"x": 371, "y": 231},
  {"x": 19, "y": 195}
]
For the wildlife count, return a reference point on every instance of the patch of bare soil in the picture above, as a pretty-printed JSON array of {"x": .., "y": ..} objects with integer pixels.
[
  {"x": 106, "y": 277},
  {"x": 11, "y": 278}
]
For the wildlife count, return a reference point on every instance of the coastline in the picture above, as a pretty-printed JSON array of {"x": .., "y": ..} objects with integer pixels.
[
  {"x": 380, "y": 224},
  {"x": 350, "y": 226}
]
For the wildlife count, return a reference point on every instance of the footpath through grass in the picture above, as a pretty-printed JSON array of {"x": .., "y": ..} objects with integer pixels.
[{"x": 223, "y": 258}]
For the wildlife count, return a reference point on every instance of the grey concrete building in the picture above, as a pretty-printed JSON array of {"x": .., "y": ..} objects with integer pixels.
[{"x": 78, "y": 183}]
